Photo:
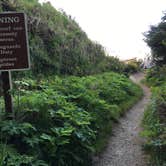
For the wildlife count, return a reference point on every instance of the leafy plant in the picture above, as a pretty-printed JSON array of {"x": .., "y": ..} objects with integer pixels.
[{"x": 154, "y": 118}]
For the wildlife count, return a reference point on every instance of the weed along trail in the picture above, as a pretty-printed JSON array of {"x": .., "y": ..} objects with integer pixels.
[{"x": 124, "y": 147}]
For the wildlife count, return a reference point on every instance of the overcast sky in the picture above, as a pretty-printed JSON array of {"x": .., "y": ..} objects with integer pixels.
[{"x": 116, "y": 24}]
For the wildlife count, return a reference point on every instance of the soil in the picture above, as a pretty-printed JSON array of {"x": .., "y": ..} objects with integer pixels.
[{"x": 125, "y": 145}]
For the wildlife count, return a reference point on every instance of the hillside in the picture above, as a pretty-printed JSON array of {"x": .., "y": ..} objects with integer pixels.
[
  {"x": 63, "y": 121},
  {"x": 57, "y": 43}
]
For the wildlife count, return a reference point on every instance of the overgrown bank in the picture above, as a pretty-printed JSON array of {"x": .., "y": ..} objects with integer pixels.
[
  {"x": 57, "y": 43},
  {"x": 155, "y": 116},
  {"x": 154, "y": 121},
  {"x": 63, "y": 121}
]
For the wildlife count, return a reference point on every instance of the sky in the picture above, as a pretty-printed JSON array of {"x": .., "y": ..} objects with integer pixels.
[{"x": 118, "y": 25}]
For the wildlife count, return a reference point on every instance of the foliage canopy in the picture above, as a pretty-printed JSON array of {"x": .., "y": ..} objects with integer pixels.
[{"x": 156, "y": 40}]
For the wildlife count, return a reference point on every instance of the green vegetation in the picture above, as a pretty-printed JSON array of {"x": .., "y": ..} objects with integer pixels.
[
  {"x": 63, "y": 121},
  {"x": 154, "y": 121},
  {"x": 57, "y": 43},
  {"x": 155, "y": 116},
  {"x": 133, "y": 66},
  {"x": 59, "y": 120},
  {"x": 156, "y": 40}
]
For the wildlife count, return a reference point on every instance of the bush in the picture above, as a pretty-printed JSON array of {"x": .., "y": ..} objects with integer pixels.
[
  {"x": 133, "y": 67},
  {"x": 156, "y": 76},
  {"x": 63, "y": 121},
  {"x": 154, "y": 121},
  {"x": 57, "y": 43}
]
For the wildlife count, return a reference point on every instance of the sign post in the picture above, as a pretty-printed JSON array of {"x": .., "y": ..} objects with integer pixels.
[
  {"x": 14, "y": 52},
  {"x": 6, "y": 84}
]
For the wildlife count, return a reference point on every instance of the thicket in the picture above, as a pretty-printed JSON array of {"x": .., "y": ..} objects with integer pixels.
[
  {"x": 63, "y": 121},
  {"x": 57, "y": 43},
  {"x": 133, "y": 66},
  {"x": 155, "y": 116},
  {"x": 156, "y": 40},
  {"x": 154, "y": 121}
]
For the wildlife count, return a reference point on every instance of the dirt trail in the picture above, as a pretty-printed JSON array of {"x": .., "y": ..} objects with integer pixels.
[{"x": 124, "y": 147}]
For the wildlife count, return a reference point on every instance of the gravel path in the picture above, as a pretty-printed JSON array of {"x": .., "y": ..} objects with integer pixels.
[{"x": 124, "y": 147}]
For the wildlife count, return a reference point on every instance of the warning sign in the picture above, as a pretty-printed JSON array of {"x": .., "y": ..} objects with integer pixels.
[{"x": 14, "y": 51}]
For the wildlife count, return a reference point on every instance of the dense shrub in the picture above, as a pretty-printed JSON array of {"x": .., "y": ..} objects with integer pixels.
[
  {"x": 63, "y": 121},
  {"x": 154, "y": 121},
  {"x": 57, "y": 43},
  {"x": 133, "y": 66},
  {"x": 156, "y": 76}
]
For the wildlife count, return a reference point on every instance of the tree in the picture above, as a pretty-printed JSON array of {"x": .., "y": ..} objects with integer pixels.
[{"x": 156, "y": 40}]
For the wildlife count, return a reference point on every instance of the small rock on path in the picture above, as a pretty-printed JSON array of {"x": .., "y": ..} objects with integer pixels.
[{"x": 125, "y": 145}]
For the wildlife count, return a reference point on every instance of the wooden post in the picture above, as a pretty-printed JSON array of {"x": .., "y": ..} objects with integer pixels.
[{"x": 6, "y": 84}]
